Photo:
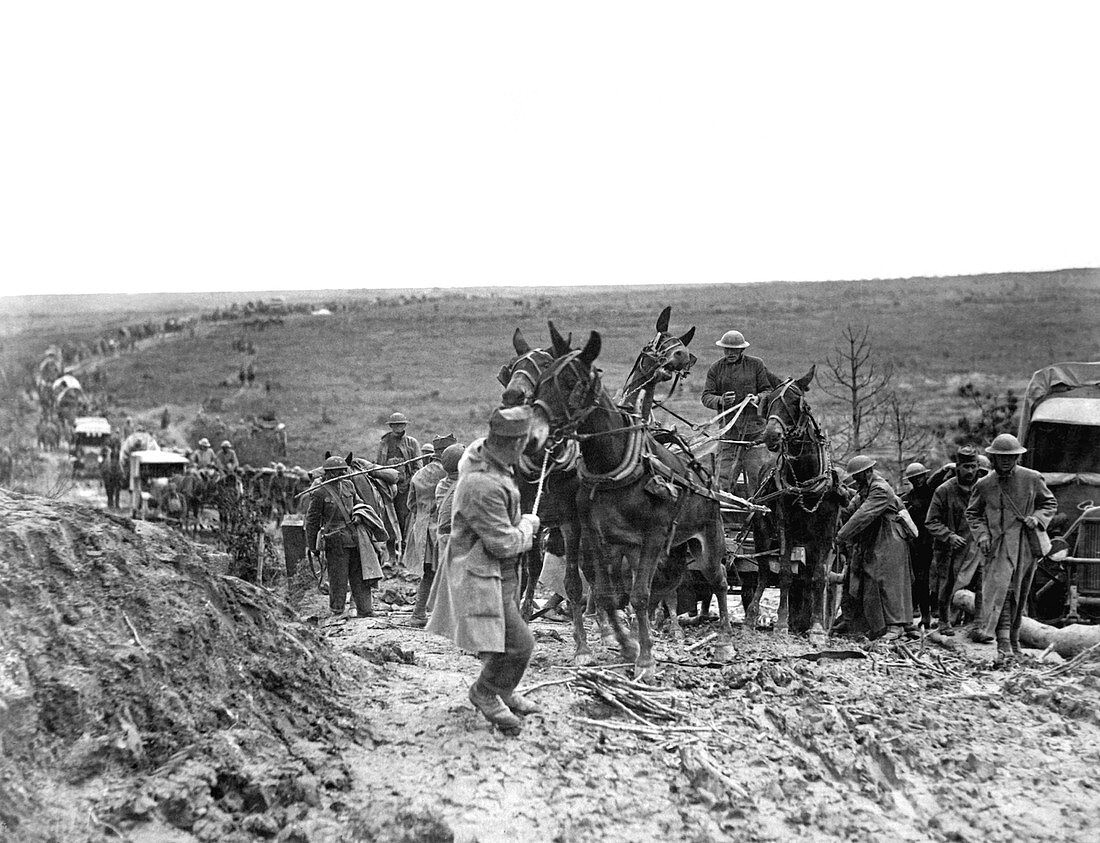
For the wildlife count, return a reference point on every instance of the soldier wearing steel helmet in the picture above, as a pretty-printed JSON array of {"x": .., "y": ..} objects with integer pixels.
[
  {"x": 1007, "y": 508},
  {"x": 204, "y": 456},
  {"x": 878, "y": 594},
  {"x": 917, "y": 500},
  {"x": 729, "y": 381},
  {"x": 397, "y": 446}
]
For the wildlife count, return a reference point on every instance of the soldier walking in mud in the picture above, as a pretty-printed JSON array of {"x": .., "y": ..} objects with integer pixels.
[
  {"x": 331, "y": 516},
  {"x": 729, "y": 381},
  {"x": 1007, "y": 510},
  {"x": 421, "y": 551},
  {"x": 396, "y": 447},
  {"x": 917, "y": 500},
  {"x": 955, "y": 557},
  {"x": 477, "y": 604}
]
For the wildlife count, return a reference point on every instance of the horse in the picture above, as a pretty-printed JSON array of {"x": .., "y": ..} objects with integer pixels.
[
  {"x": 48, "y": 435},
  {"x": 807, "y": 501},
  {"x": 639, "y": 502},
  {"x": 661, "y": 359}
]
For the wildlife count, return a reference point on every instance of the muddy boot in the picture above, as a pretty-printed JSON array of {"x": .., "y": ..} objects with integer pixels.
[
  {"x": 495, "y": 711},
  {"x": 520, "y": 704},
  {"x": 1004, "y": 657},
  {"x": 419, "y": 617},
  {"x": 367, "y": 609}
]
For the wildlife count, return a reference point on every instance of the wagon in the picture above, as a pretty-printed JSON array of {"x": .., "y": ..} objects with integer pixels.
[
  {"x": 90, "y": 435},
  {"x": 1060, "y": 427},
  {"x": 150, "y": 472}
]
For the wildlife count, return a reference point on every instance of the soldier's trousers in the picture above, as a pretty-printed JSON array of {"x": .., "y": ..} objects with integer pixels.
[
  {"x": 734, "y": 459},
  {"x": 502, "y": 672},
  {"x": 344, "y": 569}
]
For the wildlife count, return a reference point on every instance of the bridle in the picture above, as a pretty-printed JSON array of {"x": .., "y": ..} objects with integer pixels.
[
  {"x": 652, "y": 363},
  {"x": 580, "y": 399},
  {"x": 537, "y": 359},
  {"x": 801, "y": 436}
]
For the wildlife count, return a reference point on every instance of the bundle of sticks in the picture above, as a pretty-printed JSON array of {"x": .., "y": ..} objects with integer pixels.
[
  {"x": 1085, "y": 661},
  {"x": 644, "y": 704},
  {"x": 925, "y": 661}
]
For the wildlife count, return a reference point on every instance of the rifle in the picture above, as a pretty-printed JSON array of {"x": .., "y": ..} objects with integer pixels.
[{"x": 346, "y": 475}]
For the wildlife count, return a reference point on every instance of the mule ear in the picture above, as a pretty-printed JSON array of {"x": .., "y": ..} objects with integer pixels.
[
  {"x": 561, "y": 345},
  {"x": 328, "y": 454},
  {"x": 689, "y": 336},
  {"x": 591, "y": 348},
  {"x": 662, "y": 320},
  {"x": 350, "y": 458},
  {"x": 519, "y": 343},
  {"x": 804, "y": 382}
]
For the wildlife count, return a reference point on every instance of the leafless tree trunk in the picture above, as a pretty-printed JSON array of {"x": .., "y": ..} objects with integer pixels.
[
  {"x": 862, "y": 382},
  {"x": 910, "y": 439}
]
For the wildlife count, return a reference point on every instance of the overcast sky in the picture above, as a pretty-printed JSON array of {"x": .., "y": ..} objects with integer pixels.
[{"x": 269, "y": 145}]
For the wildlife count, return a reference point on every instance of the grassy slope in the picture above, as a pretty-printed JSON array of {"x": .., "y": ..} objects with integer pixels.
[{"x": 437, "y": 360}]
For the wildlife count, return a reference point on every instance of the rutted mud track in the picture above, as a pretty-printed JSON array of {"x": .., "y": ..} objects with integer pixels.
[
  {"x": 146, "y": 696},
  {"x": 836, "y": 749}
]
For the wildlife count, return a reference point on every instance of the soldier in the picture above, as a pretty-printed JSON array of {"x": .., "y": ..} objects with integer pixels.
[
  {"x": 204, "y": 456},
  {"x": 729, "y": 381},
  {"x": 423, "y": 547},
  {"x": 227, "y": 458},
  {"x": 880, "y": 586},
  {"x": 955, "y": 557},
  {"x": 477, "y": 603},
  {"x": 396, "y": 447},
  {"x": 1006, "y": 509},
  {"x": 917, "y": 500},
  {"x": 330, "y": 515}
]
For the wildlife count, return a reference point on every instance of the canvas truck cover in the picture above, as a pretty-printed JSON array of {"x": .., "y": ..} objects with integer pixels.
[{"x": 1065, "y": 394}]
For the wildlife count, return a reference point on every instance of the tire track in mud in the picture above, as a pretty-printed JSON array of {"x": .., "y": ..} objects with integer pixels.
[{"x": 846, "y": 750}]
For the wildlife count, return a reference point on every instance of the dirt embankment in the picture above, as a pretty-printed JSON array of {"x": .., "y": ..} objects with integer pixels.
[{"x": 140, "y": 690}]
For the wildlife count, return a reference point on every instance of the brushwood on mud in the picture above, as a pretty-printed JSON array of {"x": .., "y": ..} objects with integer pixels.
[{"x": 147, "y": 695}]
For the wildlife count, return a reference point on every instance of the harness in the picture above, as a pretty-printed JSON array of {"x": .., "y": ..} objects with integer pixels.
[
  {"x": 640, "y": 455},
  {"x": 539, "y": 358},
  {"x": 658, "y": 352},
  {"x": 810, "y": 441}
]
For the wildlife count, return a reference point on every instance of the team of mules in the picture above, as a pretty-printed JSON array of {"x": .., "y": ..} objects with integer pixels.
[{"x": 637, "y": 505}]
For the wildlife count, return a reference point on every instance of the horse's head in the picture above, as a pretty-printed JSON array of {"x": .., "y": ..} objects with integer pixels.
[
  {"x": 786, "y": 410},
  {"x": 662, "y": 358},
  {"x": 520, "y": 376},
  {"x": 566, "y": 389}
]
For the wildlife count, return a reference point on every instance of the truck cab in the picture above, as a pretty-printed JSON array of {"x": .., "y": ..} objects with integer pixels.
[{"x": 1060, "y": 427}]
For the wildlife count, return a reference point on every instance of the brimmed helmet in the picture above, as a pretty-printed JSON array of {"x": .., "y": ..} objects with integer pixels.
[
  {"x": 204, "y": 442},
  {"x": 732, "y": 339},
  {"x": 335, "y": 464},
  {"x": 398, "y": 418},
  {"x": 225, "y": 444},
  {"x": 914, "y": 469},
  {"x": 1006, "y": 443},
  {"x": 860, "y": 463}
]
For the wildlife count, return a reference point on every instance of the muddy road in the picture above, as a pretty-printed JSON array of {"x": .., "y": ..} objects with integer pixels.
[{"x": 915, "y": 744}]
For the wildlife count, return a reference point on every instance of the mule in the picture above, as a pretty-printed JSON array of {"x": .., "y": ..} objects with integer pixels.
[
  {"x": 805, "y": 495},
  {"x": 639, "y": 503}
]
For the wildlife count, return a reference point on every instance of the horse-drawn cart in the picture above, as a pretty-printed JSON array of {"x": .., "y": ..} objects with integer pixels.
[
  {"x": 90, "y": 435},
  {"x": 150, "y": 475}
]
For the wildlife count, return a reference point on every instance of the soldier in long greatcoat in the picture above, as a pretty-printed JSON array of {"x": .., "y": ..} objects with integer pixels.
[
  {"x": 1005, "y": 506},
  {"x": 477, "y": 604},
  {"x": 398, "y": 447},
  {"x": 880, "y": 579},
  {"x": 955, "y": 556}
]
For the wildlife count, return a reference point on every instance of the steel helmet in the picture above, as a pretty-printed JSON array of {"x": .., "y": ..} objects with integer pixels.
[
  {"x": 914, "y": 469},
  {"x": 225, "y": 444},
  {"x": 427, "y": 448},
  {"x": 335, "y": 464},
  {"x": 983, "y": 463},
  {"x": 1006, "y": 443},
  {"x": 398, "y": 418},
  {"x": 859, "y": 463},
  {"x": 204, "y": 442},
  {"x": 732, "y": 339}
]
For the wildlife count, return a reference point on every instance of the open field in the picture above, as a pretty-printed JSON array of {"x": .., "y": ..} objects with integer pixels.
[{"x": 437, "y": 359}]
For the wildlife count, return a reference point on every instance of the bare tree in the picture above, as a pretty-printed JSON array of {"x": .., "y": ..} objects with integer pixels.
[
  {"x": 909, "y": 437},
  {"x": 862, "y": 382}
]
